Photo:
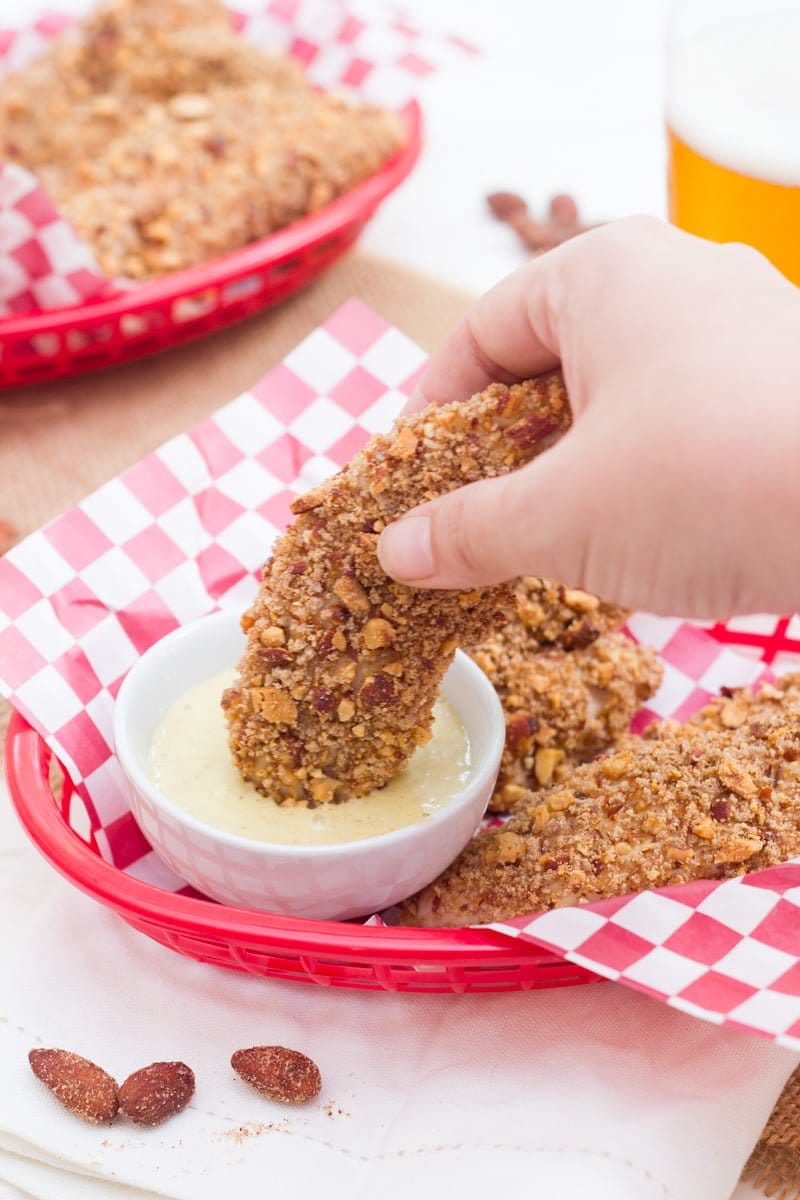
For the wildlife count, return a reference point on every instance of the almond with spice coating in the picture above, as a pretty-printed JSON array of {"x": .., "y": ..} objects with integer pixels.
[
  {"x": 278, "y": 1073},
  {"x": 83, "y": 1088},
  {"x": 157, "y": 1092}
]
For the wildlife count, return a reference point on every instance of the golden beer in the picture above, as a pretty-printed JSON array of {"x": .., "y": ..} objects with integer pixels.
[{"x": 733, "y": 118}]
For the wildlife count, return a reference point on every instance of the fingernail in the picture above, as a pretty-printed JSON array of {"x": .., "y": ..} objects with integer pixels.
[{"x": 405, "y": 550}]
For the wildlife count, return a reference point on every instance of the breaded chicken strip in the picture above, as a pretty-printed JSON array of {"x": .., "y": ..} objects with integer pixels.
[
  {"x": 562, "y": 706},
  {"x": 749, "y": 706},
  {"x": 166, "y": 138},
  {"x": 61, "y": 110},
  {"x": 204, "y": 174},
  {"x": 690, "y": 803},
  {"x": 343, "y": 665}
]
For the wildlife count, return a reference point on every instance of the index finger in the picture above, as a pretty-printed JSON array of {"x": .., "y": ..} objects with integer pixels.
[{"x": 501, "y": 339}]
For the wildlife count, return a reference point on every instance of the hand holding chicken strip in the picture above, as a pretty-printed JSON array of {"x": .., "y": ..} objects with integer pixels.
[{"x": 343, "y": 664}]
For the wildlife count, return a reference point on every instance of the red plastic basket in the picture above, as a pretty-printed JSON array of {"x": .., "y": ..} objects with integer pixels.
[
  {"x": 187, "y": 304},
  {"x": 331, "y": 953}
]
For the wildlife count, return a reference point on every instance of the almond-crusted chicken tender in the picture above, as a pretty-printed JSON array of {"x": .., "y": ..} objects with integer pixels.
[
  {"x": 203, "y": 174},
  {"x": 735, "y": 708},
  {"x": 159, "y": 48},
  {"x": 569, "y": 708},
  {"x": 166, "y": 138},
  {"x": 688, "y": 804},
  {"x": 343, "y": 664},
  {"x": 562, "y": 707},
  {"x": 749, "y": 705},
  {"x": 60, "y": 111}
]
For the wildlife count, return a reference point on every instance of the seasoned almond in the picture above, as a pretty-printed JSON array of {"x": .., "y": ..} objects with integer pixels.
[
  {"x": 278, "y": 1073},
  {"x": 153, "y": 1094},
  {"x": 85, "y": 1089}
]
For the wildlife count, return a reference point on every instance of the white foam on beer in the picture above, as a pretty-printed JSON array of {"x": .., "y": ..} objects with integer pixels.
[{"x": 733, "y": 94}]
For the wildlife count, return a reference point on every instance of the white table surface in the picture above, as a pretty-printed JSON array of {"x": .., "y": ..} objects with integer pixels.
[{"x": 567, "y": 97}]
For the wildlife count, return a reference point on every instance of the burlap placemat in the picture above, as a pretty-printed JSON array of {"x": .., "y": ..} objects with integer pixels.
[{"x": 61, "y": 440}]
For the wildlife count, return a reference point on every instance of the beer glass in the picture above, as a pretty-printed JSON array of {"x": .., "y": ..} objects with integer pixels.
[{"x": 733, "y": 124}]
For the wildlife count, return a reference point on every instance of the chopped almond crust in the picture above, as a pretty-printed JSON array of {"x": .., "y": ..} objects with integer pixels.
[
  {"x": 192, "y": 180},
  {"x": 691, "y": 802},
  {"x": 103, "y": 72},
  {"x": 568, "y": 682},
  {"x": 550, "y": 615},
  {"x": 562, "y": 707},
  {"x": 343, "y": 665},
  {"x": 750, "y": 706},
  {"x": 166, "y": 138}
]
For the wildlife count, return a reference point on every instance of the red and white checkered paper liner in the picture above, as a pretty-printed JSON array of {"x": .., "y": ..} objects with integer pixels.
[
  {"x": 187, "y": 529},
  {"x": 43, "y": 264},
  {"x": 365, "y": 48}
]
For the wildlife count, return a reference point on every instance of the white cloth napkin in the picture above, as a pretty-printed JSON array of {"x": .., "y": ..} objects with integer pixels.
[{"x": 592, "y": 1090}]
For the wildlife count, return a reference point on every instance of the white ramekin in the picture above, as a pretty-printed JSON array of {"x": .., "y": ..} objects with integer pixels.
[{"x": 329, "y": 882}]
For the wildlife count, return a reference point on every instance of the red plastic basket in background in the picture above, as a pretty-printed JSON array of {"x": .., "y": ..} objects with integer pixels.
[
  {"x": 171, "y": 310},
  {"x": 367, "y": 957}
]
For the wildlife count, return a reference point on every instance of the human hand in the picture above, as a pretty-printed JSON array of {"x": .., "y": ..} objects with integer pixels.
[{"x": 678, "y": 489}]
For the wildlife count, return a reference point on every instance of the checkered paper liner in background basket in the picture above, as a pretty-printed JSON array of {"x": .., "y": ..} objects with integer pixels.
[
  {"x": 363, "y": 47},
  {"x": 186, "y": 530}
]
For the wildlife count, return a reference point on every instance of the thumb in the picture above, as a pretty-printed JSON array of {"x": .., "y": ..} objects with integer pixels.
[{"x": 532, "y": 522}]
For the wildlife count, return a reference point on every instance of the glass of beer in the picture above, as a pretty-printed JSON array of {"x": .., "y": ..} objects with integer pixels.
[{"x": 733, "y": 124}]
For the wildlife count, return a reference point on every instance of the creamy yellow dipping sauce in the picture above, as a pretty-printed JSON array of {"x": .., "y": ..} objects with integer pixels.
[{"x": 191, "y": 765}]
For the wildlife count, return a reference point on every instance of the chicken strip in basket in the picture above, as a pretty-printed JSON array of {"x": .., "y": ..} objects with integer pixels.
[
  {"x": 701, "y": 801},
  {"x": 569, "y": 684}
]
